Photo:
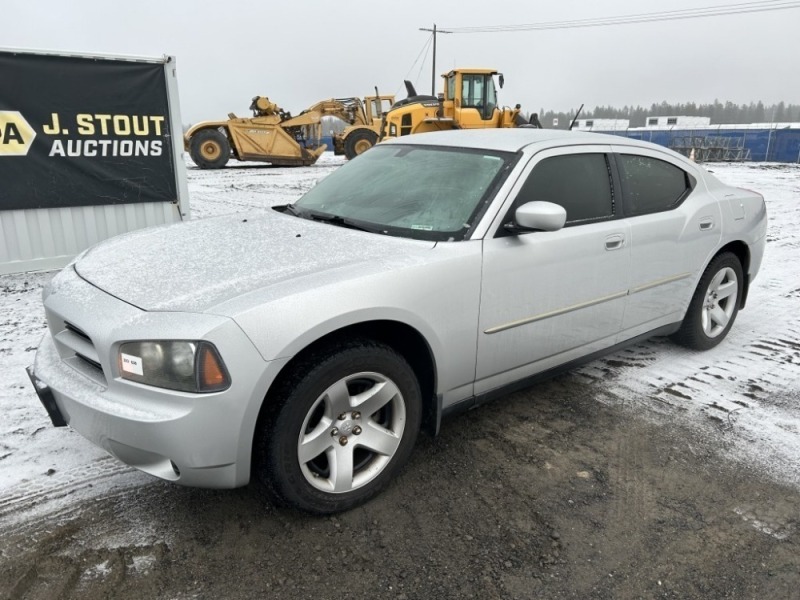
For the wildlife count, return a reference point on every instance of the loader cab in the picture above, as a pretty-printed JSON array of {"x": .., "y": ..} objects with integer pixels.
[
  {"x": 470, "y": 98},
  {"x": 377, "y": 106}
]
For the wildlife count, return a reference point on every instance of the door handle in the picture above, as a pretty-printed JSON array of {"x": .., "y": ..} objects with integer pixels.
[
  {"x": 615, "y": 242},
  {"x": 707, "y": 224}
]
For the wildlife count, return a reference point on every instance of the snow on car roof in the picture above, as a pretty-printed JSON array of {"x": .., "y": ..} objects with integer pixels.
[{"x": 515, "y": 139}]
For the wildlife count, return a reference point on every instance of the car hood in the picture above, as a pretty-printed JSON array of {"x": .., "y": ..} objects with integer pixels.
[{"x": 194, "y": 266}]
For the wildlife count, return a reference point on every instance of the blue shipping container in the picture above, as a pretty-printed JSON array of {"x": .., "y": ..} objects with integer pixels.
[{"x": 779, "y": 144}]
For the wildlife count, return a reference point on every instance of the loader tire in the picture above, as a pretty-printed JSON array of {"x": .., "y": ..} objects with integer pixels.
[
  {"x": 210, "y": 149},
  {"x": 359, "y": 142}
]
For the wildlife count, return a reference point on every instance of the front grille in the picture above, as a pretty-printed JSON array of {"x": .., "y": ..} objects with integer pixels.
[
  {"x": 77, "y": 331},
  {"x": 88, "y": 360},
  {"x": 76, "y": 348}
]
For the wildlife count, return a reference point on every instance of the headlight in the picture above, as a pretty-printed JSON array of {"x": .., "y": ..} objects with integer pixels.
[{"x": 175, "y": 365}]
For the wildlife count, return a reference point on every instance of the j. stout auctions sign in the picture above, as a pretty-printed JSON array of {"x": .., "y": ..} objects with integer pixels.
[{"x": 81, "y": 131}]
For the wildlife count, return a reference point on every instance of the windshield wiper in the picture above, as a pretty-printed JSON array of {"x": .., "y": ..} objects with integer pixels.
[
  {"x": 289, "y": 208},
  {"x": 305, "y": 213},
  {"x": 341, "y": 222}
]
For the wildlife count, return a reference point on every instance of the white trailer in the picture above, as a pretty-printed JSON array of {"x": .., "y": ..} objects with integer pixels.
[
  {"x": 680, "y": 122},
  {"x": 602, "y": 124}
]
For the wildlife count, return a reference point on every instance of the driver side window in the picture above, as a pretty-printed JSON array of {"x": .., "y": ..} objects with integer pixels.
[{"x": 581, "y": 183}]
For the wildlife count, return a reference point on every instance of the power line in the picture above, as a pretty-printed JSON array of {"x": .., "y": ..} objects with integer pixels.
[
  {"x": 672, "y": 15},
  {"x": 711, "y": 11},
  {"x": 422, "y": 64},
  {"x": 424, "y": 50}
]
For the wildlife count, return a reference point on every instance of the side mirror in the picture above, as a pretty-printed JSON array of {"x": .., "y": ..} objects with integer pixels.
[
  {"x": 501, "y": 80},
  {"x": 539, "y": 216}
]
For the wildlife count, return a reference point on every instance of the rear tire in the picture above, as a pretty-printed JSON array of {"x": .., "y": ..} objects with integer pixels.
[
  {"x": 210, "y": 149},
  {"x": 359, "y": 142},
  {"x": 343, "y": 424},
  {"x": 715, "y": 304}
]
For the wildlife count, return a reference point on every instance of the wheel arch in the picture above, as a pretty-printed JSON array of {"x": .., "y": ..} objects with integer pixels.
[
  {"x": 356, "y": 129},
  {"x": 194, "y": 129},
  {"x": 742, "y": 251},
  {"x": 403, "y": 338}
]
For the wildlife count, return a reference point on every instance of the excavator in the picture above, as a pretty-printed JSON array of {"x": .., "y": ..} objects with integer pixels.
[
  {"x": 469, "y": 101},
  {"x": 273, "y": 135}
]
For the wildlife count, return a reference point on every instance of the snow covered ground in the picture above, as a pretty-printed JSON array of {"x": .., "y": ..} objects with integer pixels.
[
  {"x": 744, "y": 395},
  {"x": 748, "y": 388}
]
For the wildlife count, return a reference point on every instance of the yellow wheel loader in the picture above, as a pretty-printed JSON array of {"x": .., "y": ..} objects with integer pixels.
[
  {"x": 469, "y": 101},
  {"x": 271, "y": 135},
  {"x": 363, "y": 134}
]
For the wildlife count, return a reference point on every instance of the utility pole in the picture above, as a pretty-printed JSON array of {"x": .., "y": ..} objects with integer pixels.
[{"x": 433, "y": 66}]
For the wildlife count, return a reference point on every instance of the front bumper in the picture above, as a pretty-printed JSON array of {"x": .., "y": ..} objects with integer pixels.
[
  {"x": 46, "y": 398},
  {"x": 202, "y": 440}
]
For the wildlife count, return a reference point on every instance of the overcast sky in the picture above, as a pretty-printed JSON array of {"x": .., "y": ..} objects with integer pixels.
[{"x": 298, "y": 52}]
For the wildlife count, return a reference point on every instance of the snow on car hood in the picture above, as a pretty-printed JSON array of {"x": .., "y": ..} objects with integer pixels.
[{"x": 197, "y": 265}]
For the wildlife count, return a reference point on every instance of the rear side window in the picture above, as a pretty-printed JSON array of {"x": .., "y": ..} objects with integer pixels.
[
  {"x": 581, "y": 183},
  {"x": 650, "y": 185}
]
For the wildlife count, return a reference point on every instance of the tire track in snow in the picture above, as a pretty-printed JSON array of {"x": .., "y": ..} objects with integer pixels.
[
  {"x": 746, "y": 390},
  {"x": 32, "y": 497}
]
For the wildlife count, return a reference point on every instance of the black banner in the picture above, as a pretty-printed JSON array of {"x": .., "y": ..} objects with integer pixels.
[{"x": 83, "y": 132}]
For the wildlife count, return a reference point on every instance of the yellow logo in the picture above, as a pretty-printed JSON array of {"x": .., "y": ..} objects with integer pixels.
[{"x": 16, "y": 135}]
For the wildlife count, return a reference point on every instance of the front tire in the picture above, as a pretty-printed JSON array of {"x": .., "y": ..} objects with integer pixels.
[
  {"x": 210, "y": 149},
  {"x": 359, "y": 142},
  {"x": 715, "y": 304},
  {"x": 345, "y": 423}
]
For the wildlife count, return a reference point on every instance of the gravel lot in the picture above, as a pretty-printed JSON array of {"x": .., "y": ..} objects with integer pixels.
[{"x": 653, "y": 473}]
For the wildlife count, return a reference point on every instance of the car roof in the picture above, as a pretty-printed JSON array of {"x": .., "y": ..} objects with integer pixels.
[{"x": 515, "y": 139}]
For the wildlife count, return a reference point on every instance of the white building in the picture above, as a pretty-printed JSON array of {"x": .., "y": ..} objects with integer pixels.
[
  {"x": 681, "y": 122},
  {"x": 602, "y": 124}
]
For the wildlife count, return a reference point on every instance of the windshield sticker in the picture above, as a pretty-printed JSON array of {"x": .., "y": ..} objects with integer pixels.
[
  {"x": 423, "y": 227},
  {"x": 132, "y": 364}
]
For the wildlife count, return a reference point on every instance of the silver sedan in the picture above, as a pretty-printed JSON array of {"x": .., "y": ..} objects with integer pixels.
[{"x": 306, "y": 348}]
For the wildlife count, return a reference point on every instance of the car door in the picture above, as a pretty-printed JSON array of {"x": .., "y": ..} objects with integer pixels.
[
  {"x": 549, "y": 297},
  {"x": 675, "y": 226}
]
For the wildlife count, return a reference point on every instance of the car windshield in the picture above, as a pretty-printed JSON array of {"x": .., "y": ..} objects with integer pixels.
[{"x": 423, "y": 192}]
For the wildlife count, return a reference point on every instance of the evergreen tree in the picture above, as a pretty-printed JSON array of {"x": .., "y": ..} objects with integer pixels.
[
  {"x": 718, "y": 112},
  {"x": 780, "y": 112}
]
